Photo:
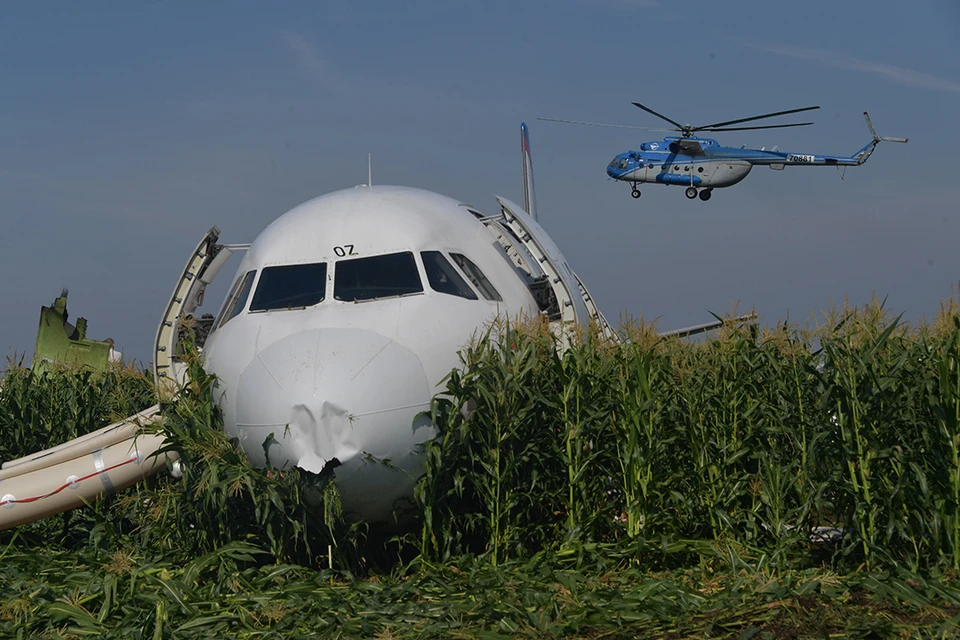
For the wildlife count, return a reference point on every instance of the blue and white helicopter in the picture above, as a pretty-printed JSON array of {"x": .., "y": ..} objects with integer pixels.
[{"x": 703, "y": 164}]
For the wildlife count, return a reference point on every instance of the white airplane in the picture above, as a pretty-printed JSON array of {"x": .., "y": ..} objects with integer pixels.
[
  {"x": 345, "y": 315},
  {"x": 348, "y": 311}
]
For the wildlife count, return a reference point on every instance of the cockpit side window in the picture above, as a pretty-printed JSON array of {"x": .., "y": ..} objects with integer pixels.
[
  {"x": 385, "y": 276},
  {"x": 473, "y": 272},
  {"x": 237, "y": 299},
  {"x": 290, "y": 286},
  {"x": 443, "y": 277}
]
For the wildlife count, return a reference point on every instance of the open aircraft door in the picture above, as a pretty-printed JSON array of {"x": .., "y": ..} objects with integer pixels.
[
  {"x": 201, "y": 268},
  {"x": 574, "y": 301}
]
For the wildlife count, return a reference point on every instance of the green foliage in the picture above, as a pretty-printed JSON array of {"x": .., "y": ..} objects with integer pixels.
[
  {"x": 57, "y": 594},
  {"x": 41, "y": 410},
  {"x": 757, "y": 440},
  {"x": 223, "y": 498},
  {"x": 658, "y": 488}
]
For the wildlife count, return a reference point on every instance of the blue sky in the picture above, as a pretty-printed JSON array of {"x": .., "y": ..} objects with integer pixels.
[{"x": 127, "y": 129}]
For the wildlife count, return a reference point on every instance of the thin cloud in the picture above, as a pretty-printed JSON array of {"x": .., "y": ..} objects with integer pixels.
[
  {"x": 899, "y": 75},
  {"x": 310, "y": 57}
]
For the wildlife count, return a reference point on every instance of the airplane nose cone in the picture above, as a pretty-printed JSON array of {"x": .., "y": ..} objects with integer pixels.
[{"x": 346, "y": 397}]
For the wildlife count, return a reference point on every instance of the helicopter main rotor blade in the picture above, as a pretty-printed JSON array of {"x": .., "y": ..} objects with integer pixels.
[
  {"x": 661, "y": 116},
  {"x": 766, "y": 126},
  {"x": 603, "y": 124},
  {"x": 766, "y": 115}
]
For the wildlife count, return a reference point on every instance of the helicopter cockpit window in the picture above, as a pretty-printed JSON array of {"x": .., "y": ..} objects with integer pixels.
[
  {"x": 443, "y": 277},
  {"x": 290, "y": 286},
  {"x": 486, "y": 288},
  {"x": 386, "y": 276},
  {"x": 237, "y": 299}
]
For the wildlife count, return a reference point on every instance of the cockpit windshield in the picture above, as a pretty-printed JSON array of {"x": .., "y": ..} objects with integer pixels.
[
  {"x": 290, "y": 286},
  {"x": 484, "y": 286},
  {"x": 385, "y": 276},
  {"x": 443, "y": 277},
  {"x": 237, "y": 298}
]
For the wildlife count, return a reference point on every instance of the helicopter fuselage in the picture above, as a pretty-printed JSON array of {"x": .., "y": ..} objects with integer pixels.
[{"x": 702, "y": 163}]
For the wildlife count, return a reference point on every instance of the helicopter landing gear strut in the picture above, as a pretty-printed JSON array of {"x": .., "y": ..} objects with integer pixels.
[
  {"x": 705, "y": 194},
  {"x": 636, "y": 192},
  {"x": 691, "y": 192}
]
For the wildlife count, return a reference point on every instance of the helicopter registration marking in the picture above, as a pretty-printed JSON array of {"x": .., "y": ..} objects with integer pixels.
[{"x": 797, "y": 158}]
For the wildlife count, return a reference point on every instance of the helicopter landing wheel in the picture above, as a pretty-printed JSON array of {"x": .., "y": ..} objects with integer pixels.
[
  {"x": 635, "y": 193},
  {"x": 705, "y": 194},
  {"x": 691, "y": 192}
]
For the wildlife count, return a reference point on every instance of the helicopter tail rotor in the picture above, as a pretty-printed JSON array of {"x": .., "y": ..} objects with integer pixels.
[
  {"x": 878, "y": 138},
  {"x": 862, "y": 155}
]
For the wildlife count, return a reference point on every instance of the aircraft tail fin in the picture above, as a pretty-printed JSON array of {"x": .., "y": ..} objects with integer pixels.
[{"x": 529, "y": 195}]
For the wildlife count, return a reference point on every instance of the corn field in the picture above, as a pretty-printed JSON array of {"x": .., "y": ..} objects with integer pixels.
[
  {"x": 761, "y": 482},
  {"x": 841, "y": 441}
]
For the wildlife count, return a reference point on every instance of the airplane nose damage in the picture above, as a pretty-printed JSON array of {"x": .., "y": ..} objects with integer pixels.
[{"x": 345, "y": 397}]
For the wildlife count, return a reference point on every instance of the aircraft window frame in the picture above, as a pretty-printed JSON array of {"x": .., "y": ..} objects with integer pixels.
[
  {"x": 477, "y": 277},
  {"x": 455, "y": 286},
  {"x": 302, "y": 300},
  {"x": 393, "y": 269},
  {"x": 237, "y": 299}
]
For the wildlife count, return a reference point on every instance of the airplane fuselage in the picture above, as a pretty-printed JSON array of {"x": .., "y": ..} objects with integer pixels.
[{"x": 345, "y": 316}]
